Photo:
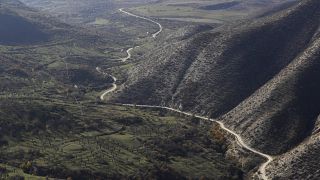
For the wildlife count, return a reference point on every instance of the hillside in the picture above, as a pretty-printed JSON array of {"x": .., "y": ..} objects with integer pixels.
[
  {"x": 250, "y": 53},
  {"x": 283, "y": 114},
  {"x": 259, "y": 77},
  {"x": 16, "y": 29},
  {"x": 22, "y": 25}
]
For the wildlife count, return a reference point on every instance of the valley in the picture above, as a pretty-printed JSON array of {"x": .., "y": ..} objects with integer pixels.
[
  {"x": 262, "y": 170},
  {"x": 159, "y": 89}
]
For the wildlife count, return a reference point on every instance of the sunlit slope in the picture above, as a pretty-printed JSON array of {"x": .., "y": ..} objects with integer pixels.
[{"x": 215, "y": 70}]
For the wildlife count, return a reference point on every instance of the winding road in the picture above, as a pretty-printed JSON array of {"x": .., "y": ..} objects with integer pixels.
[
  {"x": 154, "y": 35},
  {"x": 262, "y": 168},
  {"x": 128, "y": 55},
  {"x": 113, "y": 88},
  {"x": 147, "y": 19},
  {"x": 114, "y": 85}
]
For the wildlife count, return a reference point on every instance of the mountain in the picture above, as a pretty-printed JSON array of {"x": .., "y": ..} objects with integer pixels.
[
  {"x": 17, "y": 29},
  {"x": 210, "y": 65},
  {"x": 260, "y": 78},
  {"x": 72, "y": 12},
  {"x": 22, "y": 25}
]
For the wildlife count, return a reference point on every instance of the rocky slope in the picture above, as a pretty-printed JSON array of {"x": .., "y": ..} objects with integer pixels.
[
  {"x": 284, "y": 110},
  {"x": 260, "y": 78},
  {"x": 281, "y": 118},
  {"x": 222, "y": 67},
  {"x": 302, "y": 162}
]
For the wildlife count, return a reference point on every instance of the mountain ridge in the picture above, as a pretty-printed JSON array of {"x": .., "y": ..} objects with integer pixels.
[{"x": 221, "y": 49}]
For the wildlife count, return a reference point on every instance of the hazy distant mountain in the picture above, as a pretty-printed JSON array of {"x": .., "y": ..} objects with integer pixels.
[
  {"x": 72, "y": 12},
  {"x": 23, "y": 25}
]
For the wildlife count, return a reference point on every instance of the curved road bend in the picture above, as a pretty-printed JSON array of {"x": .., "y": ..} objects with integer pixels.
[
  {"x": 114, "y": 85},
  {"x": 147, "y": 19},
  {"x": 262, "y": 168},
  {"x": 128, "y": 55}
]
